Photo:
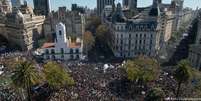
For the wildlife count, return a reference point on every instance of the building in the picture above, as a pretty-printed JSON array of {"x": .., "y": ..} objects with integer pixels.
[
  {"x": 63, "y": 47},
  {"x": 195, "y": 49},
  {"x": 16, "y": 3},
  {"x": 101, "y": 5},
  {"x": 21, "y": 27},
  {"x": 5, "y": 6},
  {"x": 177, "y": 6},
  {"x": 107, "y": 10},
  {"x": 129, "y": 4},
  {"x": 139, "y": 35},
  {"x": 77, "y": 8},
  {"x": 73, "y": 20},
  {"x": 42, "y": 7}
]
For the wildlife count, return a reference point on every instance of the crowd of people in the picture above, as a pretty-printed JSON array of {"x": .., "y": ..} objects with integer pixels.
[
  {"x": 93, "y": 83},
  {"x": 97, "y": 81}
]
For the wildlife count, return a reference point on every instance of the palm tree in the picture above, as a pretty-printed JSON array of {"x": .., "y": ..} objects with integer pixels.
[
  {"x": 182, "y": 74},
  {"x": 24, "y": 76},
  {"x": 155, "y": 94}
]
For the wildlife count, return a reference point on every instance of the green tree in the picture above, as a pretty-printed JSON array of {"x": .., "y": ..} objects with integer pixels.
[
  {"x": 103, "y": 34},
  {"x": 25, "y": 76},
  {"x": 93, "y": 22},
  {"x": 194, "y": 87},
  {"x": 142, "y": 70},
  {"x": 89, "y": 41},
  {"x": 182, "y": 74},
  {"x": 156, "y": 94},
  {"x": 56, "y": 76}
]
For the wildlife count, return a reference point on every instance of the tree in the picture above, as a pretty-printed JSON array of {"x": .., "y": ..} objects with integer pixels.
[
  {"x": 142, "y": 70},
  {"x": 25, "y": 76},
  {"x": 182, "y": 74},
  {"x": 94, "y": 22},
  {"x": 156, "y": 94},
  {"x": 56, "y": 76},
  {"x": 89, "y": 41},
  {"x": 103, "y": 34}
]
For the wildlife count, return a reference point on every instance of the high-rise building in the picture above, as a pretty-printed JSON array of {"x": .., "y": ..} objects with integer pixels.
[
  {"x": 101, "y": 5},
  {"x": 130, "y": 4},
  {"x": 16, "y": 3},
  {"x": 42, "y": 7},
  {"x": 5, "y": 6}
]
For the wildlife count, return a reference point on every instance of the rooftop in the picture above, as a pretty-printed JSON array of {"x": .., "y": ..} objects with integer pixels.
[{"x": 48, "y": 45}]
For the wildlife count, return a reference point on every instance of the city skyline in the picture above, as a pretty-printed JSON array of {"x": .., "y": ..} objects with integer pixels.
[{"x": 92, "y": 3}]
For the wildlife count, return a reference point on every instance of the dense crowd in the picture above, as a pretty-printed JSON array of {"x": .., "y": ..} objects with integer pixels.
[
  {"x": 95, "y": 84},
  {"x": 98, "y": 82},
  {"x": 92, "y": 82}
]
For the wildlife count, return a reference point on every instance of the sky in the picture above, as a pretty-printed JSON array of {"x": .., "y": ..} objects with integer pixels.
[{"x": 92, "y": 3}]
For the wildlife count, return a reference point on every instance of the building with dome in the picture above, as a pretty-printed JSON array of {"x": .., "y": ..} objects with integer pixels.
[
  {"x": 21, "y": 27},
  {"x": 63, "y": 47}
]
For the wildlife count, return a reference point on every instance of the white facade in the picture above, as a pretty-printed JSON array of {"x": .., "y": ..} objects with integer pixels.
[
  {"x": 63, "y": 48},
  {"x": 133, "y": 42}
]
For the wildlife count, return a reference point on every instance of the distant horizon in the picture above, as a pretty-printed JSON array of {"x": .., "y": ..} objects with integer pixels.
[{"x": 92, "y": 3}]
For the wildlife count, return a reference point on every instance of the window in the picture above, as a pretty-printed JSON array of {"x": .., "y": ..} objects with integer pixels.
[
  {"x": 77, "y": 56},
  {"x": 52, "y": 51},
  {"x": 77, "y": 51},
  {"x": 62, "y": 51},
  {"x": 47, "y": 51},
  {"x": 62, "y": 56},
  {"x": 71, "y": 51},
  {"x": 60, "y": 33},
  {"x": 71, "y": 57}
]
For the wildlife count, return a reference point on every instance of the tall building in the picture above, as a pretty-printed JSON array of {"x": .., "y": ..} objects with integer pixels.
[
  {"x": 42, "y": 7},
  {"x": 101, "y": 5},
  {"x": 5, "y": 6},
  {"x": 16, "y": 3},
  {"x": 178, "y": 11},
  {"x": 130, "y": 4}
]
